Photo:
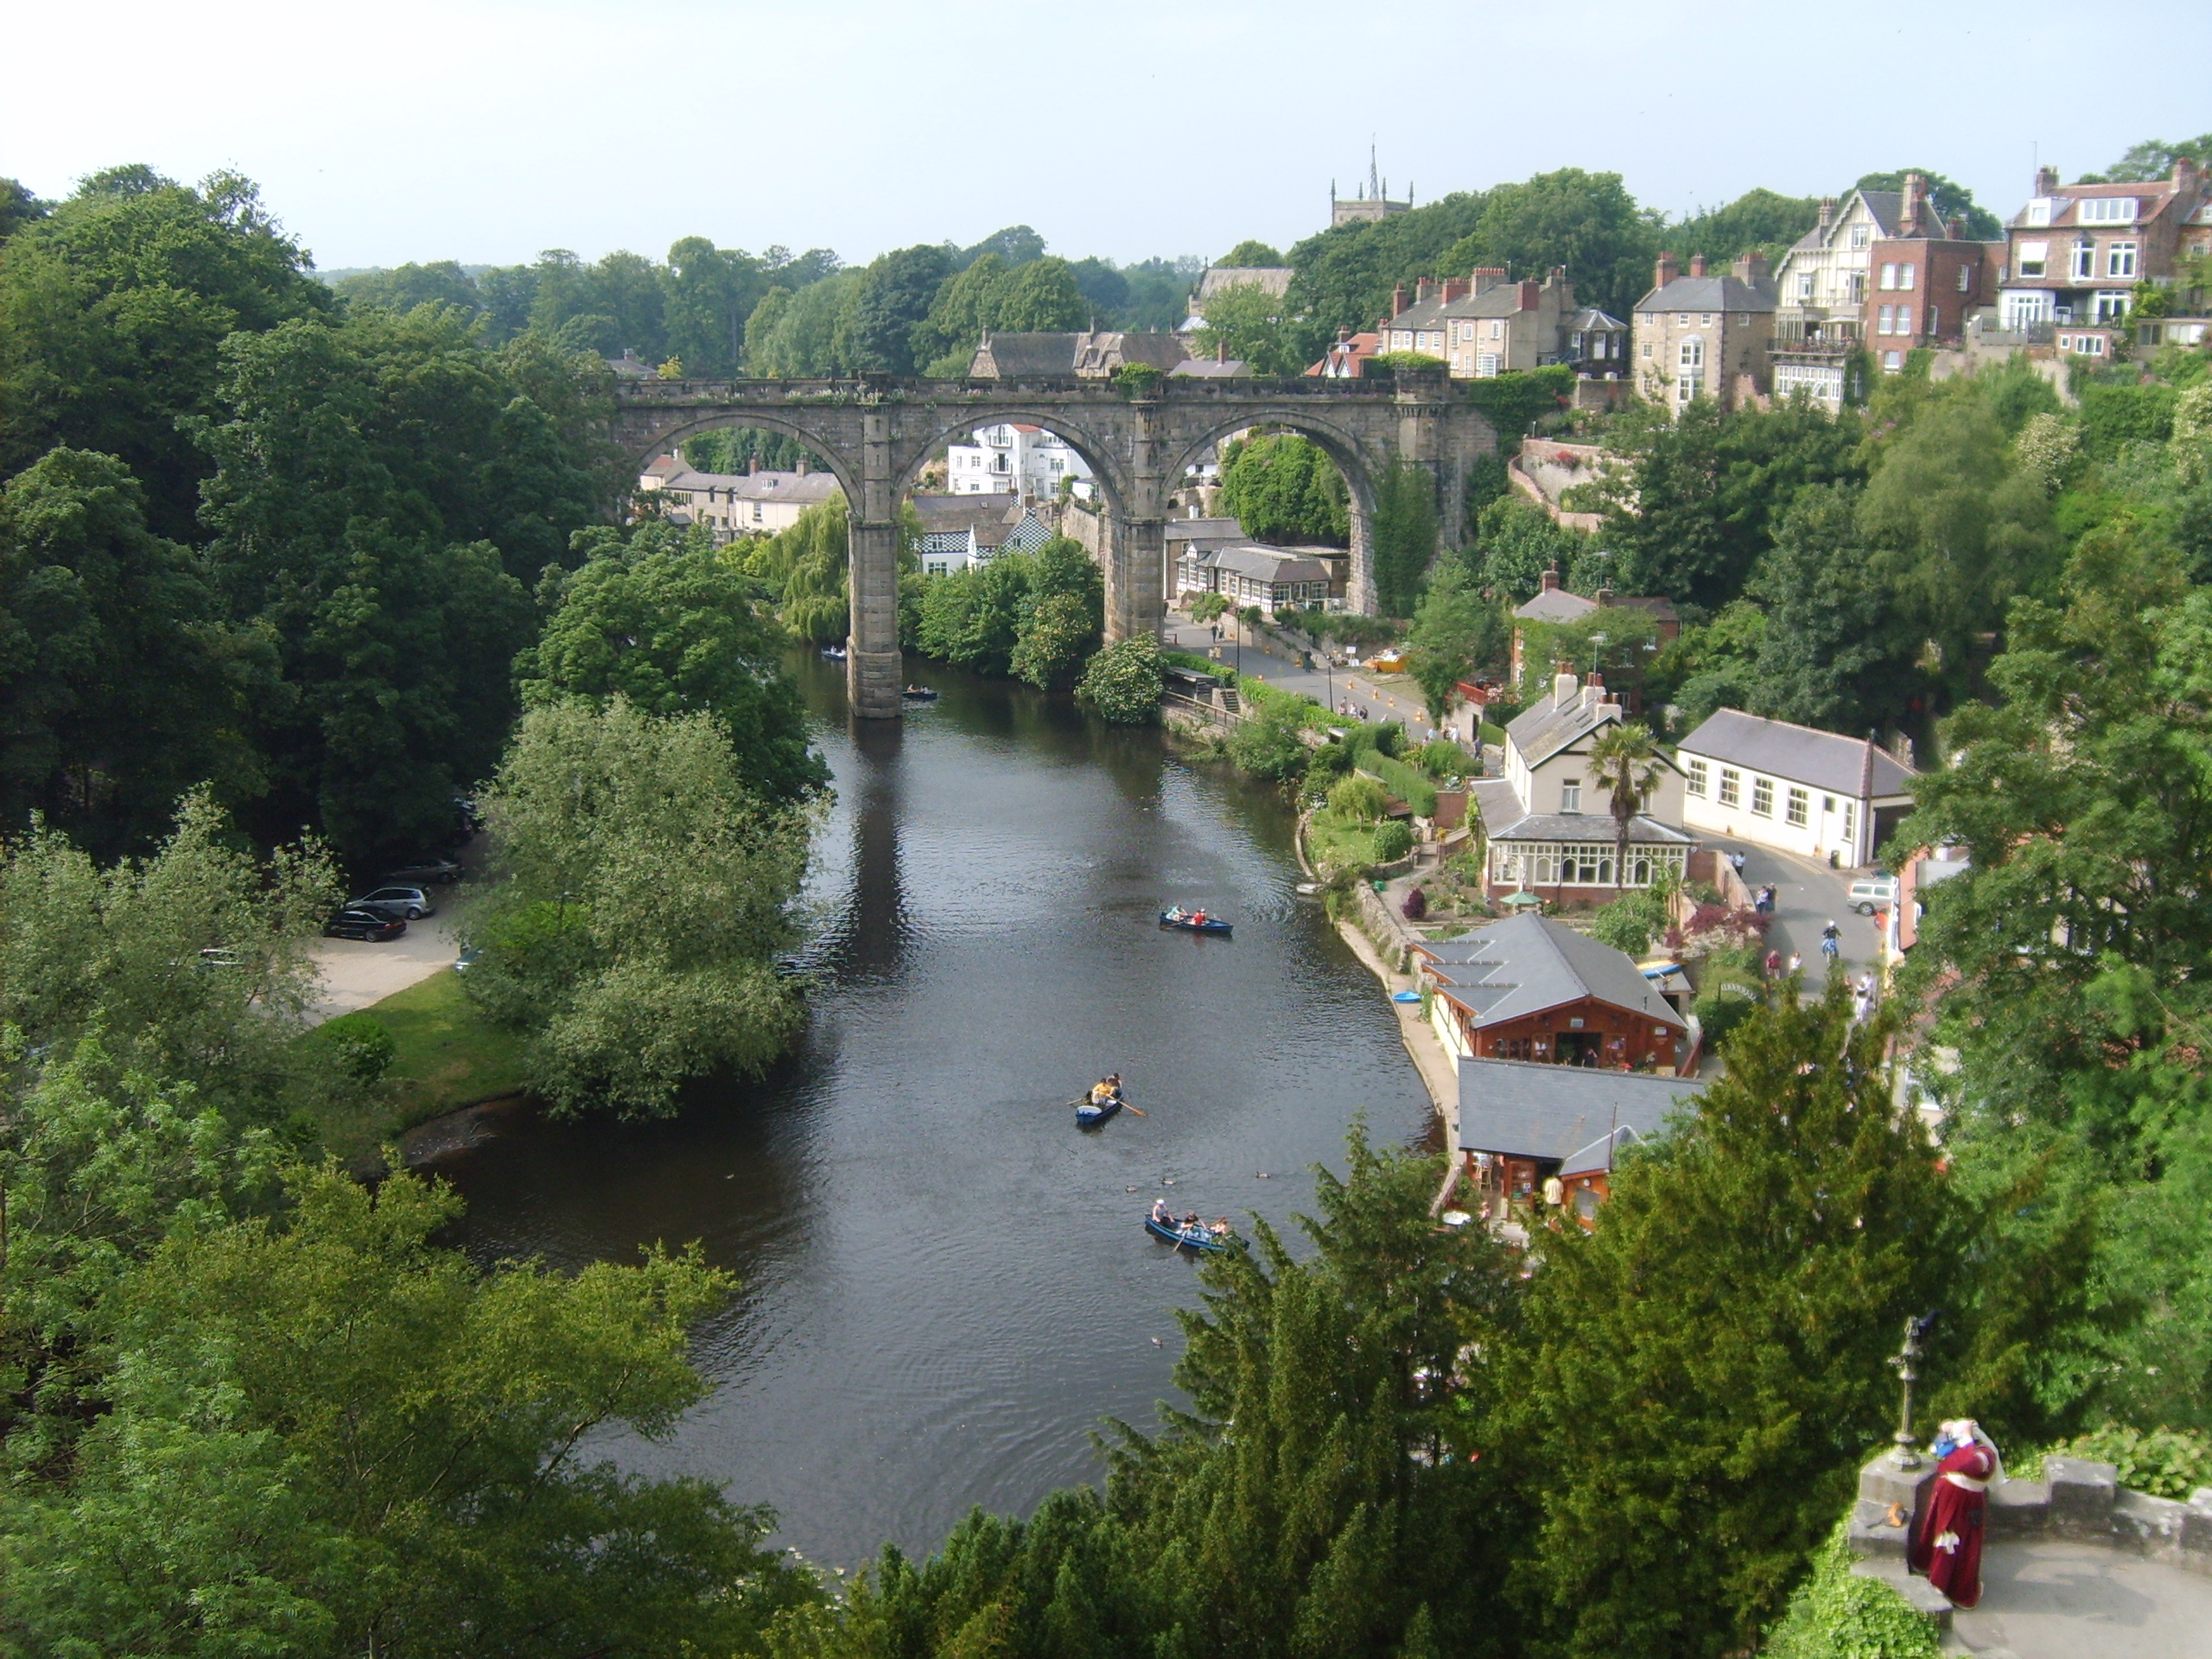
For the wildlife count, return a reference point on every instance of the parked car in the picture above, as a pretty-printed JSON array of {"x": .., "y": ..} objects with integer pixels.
[
  {"x": 1871, "y": 893},
  {"x": 358, "y": 922},
  {"x": 409, "y": 904},
  {"x": 424, "y": 871}
]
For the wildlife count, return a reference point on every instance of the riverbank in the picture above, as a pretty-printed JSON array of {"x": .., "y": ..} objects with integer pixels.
[
  {"x": 447, "y": 1059},
  {"x": 1440, "y": 1072}
]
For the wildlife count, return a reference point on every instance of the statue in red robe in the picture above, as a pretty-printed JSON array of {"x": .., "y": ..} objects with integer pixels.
[{"x": 1947, "y": 1545}]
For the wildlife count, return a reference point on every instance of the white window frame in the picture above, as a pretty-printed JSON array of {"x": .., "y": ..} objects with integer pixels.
[
  {"x": 2081, "y": 261},
  {"x": 1732, "y": 785},
  {"x": 1908, "y": 275},
  {"x": 2105, "y": 209},
  {"x": 1695, "y": 778},
  {"x": 2120, "y": 258},
  {"x": 1762, "y": 797},
  {"x": 2034, "y": 258},
  {"x": 1797, "y": 807},
  {"x": 1570, "y": 795},
  {"x": 1889, "y": 278},
  {"x": 1861, "y": 238}
]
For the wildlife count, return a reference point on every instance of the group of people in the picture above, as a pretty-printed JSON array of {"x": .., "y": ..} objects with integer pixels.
[
  {"x": 1179, "y": 914},
  {"x": 1162, "y": 1215},
  {"x": 1107, "y": 1088},
  {"x": 1351, "y": 710}
]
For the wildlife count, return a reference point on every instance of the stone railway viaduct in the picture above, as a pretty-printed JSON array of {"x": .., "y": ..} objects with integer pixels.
[{"x": 876, "y": 434}]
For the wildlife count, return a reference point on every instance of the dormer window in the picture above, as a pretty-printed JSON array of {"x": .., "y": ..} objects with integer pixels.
[
  {"x": 2038, "y": 216},
  {"x": 2105, "y": 210}
]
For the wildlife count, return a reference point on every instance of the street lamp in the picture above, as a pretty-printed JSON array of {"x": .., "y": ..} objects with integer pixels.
[{"x": 1597, "y": 644}]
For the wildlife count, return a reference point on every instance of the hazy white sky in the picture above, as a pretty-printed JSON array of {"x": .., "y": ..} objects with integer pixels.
[{"x": 487, "y": 130}]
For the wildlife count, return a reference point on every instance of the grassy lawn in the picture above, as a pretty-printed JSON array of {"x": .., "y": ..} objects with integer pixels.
[
  {"x": 450, "y": 1056},
  {"x": 1334, "y": 842}
]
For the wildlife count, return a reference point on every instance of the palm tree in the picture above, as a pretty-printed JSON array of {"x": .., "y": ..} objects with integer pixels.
[{"x": 1625, "y": 763}]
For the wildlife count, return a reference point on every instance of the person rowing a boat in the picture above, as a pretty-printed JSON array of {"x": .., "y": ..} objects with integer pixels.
[
  {"x": 1198, "y": 919},
  {"x": 1218, "y": 1227},
  {"x": 1107, "y": 1088}
]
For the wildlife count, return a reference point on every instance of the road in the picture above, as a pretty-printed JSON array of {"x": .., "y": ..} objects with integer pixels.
[
  {"x": 356, "y": 973},
  {"x": 1807, "y": 896},
  {"x": 1388, "y": 697}
]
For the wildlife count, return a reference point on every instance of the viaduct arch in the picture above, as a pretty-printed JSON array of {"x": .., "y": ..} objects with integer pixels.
[{"x": 876, "y": 433}]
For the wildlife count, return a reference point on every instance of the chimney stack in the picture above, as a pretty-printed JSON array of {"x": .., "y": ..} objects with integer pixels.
[
  {"x": 1666, "y": 272},
  {"x": 1911, "y": 221},
  {"x": 1551, "y": 579},
  {"x": 1529, "y": 290},
  {"x": 1751, "y": 269},
  {"x": 1562, "y": 687},
  {"x": 752, "y": 464},
  {"x": 1827, "y": 211},
  {"x": 2185, "y": 173},
  {"x": 1398, "y": 300},
  {"x": 1455, "y": 288},
  {"x": 1697, "y": 264},
  {"x": 1957, "y": 228},
  {"x": 1424, "y": 290},
  {"x": 1485, "y": 277},
  {"x": 2046, "y": 180}
]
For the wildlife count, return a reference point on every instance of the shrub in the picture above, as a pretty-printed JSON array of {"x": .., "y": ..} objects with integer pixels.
[
  {"x": 1270, "y": 746},
  {"x": 1359, "y": 797},
  {"x": 1122, "y": 682},
  {"x": 1416, "y": 903},
  {"x": 1445, "y": 758},
  {"x": 1630, "y": 922},
  {"x": 1331, "y": 761},
  {"x": 1719, "y": 1012},
  {"x": 1836, "y": 1615},
  {"x": 1402, "y": 780},
  {"x": 361, "y": 1043},
  {"x": 1390, "y": 738},
  {"x": 2163, "y": 1462},
  {"x": 1393, "y": 840}
]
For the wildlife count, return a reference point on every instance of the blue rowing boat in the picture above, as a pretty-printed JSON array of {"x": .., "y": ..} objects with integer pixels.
[
  {"x": 1090, "y": 1114},
  {"x": 1190, "y": 1238},
  {"x": 1190, "y": 923}
]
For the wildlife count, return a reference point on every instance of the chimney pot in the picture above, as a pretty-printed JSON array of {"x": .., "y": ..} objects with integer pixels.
[
  {"x": 1666, "y": 271},
  {"x": 1398, "y": 300},
  {"x": 1827, "y": 211},
  {"x": 1529, "y": 290}
]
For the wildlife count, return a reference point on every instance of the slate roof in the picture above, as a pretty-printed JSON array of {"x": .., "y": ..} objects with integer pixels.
[
  {"x": 1204, "y": 529},
  {"x": 1260, "y": 562},
  {"x": 1884, "y": 207},
  {"x": 1525, "y": 1109},
  {"x": 1724, "y": 294},
  {"x": 1097, "y": 355},
  {"x": 1207, "y": 368},
  {"x": 1555, "y": 605},
  {"x": 991, "y": 517},
  {"x": 805, "y": 488},
  {"x": 1590, "y": 320},
  {"x": 1525, "y": 964},
  {"x": 1024, "y": 357},
  {"x": 1275, "y": 279},
  {"x": 1542, "y": 729},
  {"x": 1585, "y": 827},
  {"x": 1841, "y": 765}
]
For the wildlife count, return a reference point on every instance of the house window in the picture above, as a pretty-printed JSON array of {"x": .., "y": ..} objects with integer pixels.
[
  {"x": 2034, "y": 258},
  {"x": 1893, "y": 360},
  {"x": 1486, "y": 365},
  {"x": 1693, "y": 355},
  {"x": 1855, "y": 287},
  {"x": 1904, "y": 319},
  {"x": 1858, "y": 237},
  {"x": 1763, "y": 797},
  {"x": 1908, "y": 274},
  {"x": 1889, "y": 276},
  {"x": 2107, "y": 210},
  {"x": 1885, "y": 319},
  {"x": 1731, "y": 781},
  {"x": 1647, "y": 348},
  {"x": 2119, "y": 259},
  {"x": 1805, "y": 285},
  {"x": 1696, "y": 784},
  {"x": 1797, "y": 808},
  {"x": 1850, "y": 813},
  {"x": 2084, "y": 264},
  {"x": 2112, "y": 306},
  {"x": 1570, "y": 795},
  {"x": 2039, "y": 211},
  {"x": 1705, "y": 321},
  {"x": 1966, "y": 279}
]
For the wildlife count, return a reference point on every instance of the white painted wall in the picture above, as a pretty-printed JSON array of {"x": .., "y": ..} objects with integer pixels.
[{"x": 1832, "y": 822}]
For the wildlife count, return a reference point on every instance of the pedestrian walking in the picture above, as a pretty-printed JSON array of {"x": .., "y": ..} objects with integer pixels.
[
  {"x": 1773, "y": 965},
  {"x": 1795, "y": 962},
  {"x": 1737, "y": 859}
]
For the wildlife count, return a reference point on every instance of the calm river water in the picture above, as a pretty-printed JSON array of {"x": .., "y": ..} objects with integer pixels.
[{"x": 946, "y": 1286}]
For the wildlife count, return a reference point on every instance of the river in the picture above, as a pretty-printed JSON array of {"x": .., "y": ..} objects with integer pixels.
[{"x": 945, "y": 1285}]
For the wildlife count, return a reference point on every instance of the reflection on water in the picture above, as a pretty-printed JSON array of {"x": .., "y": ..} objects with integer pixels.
[{"x": 946, "y": 1286}]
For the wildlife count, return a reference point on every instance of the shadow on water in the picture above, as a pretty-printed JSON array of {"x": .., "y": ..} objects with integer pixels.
[{"x": 945, "y": 1285}]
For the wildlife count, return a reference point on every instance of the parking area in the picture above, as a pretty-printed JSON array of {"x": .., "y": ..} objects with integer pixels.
[
  {"x": 356, "y": 973},
  {"x": 1808, "y": 895}
]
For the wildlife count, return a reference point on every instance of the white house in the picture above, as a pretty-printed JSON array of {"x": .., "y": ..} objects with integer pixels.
[
  {"x": 1792, "y": 788},
  {"x": 1013, "y": 459},
  {"x": 1548, "y": 822},
  {"x": 1252, "y": 572}
]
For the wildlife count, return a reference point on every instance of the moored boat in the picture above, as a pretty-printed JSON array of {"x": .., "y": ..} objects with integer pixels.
[
  {"x": 1191, "y": 1236},
  {"x": 1192, "y": 921}
]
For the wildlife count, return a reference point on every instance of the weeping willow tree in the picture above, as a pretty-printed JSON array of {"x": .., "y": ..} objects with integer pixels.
[{"x": 807, "y": 568}]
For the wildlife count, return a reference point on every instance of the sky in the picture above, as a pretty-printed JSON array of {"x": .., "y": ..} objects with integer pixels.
[{"x": 486, "y": 131}]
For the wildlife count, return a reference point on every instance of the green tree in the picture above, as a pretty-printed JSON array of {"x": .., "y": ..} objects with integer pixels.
[
  {"x": 966, "y": 305},
  {"x": 1246, "y": 323},
  {"x": 1401, "y": 537},
  {"x": 1710, "y": 665},
  {"x": 1041, "y": 297},
  {"x": 1516, "y": 542},
  {"x": 1624, "y": 767},
  {"x": 332, "y": 1436},
  {"x": 1249, "y": 255},
  {"x": 645, "y": 898},
  {"x": 1061, "y": 617},
  {"x": 191, "y": 966},
  {"x": 1707, "y": 1359},
  {"x": 893, "y": 296},
  {"x": 1343, "y": 275},
  {"x": 2153, "y": 159},
  {"x": 442, "y": 282},
  {"x": 1586, "y": 222},
  {"x": 659, "y": 618},
  {"x": 1456, "y": 631},
  {"x": 1122, "y": 683},
  {"x": 113, "y": 312},
  {"x": 1283, "y": 488},
  {"x": 19, "y": 208},
  {"x": 710, "y": 293},
  {"x": 1826, "y": 655},
  {"x": 122, "y": 682},
  {"x": 1761, "y": 220}
]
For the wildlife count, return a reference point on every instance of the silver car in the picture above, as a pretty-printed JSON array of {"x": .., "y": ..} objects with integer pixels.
[{"x": 409, "y": 904}]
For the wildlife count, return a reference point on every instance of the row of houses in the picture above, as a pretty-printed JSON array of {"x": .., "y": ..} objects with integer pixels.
[{"x": 1883, "y": 273}]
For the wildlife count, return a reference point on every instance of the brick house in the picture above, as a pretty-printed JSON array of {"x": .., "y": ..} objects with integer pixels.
[
  {"x": 1483, "y": 326},
  {"x": 1704, "y": 336},
  {"x": 2076, "y": 252},
  {"x": 1926, "y": 278},
  {"x": 1553, "y": 603},
  {"x": 1533, "y": 989}
]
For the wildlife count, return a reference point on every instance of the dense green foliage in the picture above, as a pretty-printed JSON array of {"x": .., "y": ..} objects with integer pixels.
[
  {"x": 1283, "y": 488},
  {"x": 1122, "y": 683},
  {"x": 660, "y": 618},
  {"x": 1458, "y": 632},
  {"x": 1401, "y": 539},
  {"x": 644, "y": 902},
  {"x": 1835, "y": 1614},
  {"x": 1031, "y": 616}
]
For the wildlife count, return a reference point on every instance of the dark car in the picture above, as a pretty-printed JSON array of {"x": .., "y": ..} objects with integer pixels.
[
  {"x": 409, "y": 904},
  {"x": 422, "y": 871},
  {"x": 356, "y": 922}
]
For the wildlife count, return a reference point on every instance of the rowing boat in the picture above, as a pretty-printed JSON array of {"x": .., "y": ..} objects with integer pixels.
[
  {"x": 1190, "y": 1238},
  {"x": 1090, "y": 1114},
  {"x": 1191, "y": 925}
]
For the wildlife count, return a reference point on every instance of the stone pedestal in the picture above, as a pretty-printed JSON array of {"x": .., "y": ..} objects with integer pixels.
[{"x": 1886, "y": 1488}]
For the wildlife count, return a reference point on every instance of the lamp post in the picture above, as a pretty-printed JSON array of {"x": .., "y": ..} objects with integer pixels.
[{"x": 1902, "y": 1363}]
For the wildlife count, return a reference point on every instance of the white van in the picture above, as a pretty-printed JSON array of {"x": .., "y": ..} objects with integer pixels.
[{"x": 1872, "y": 892}]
